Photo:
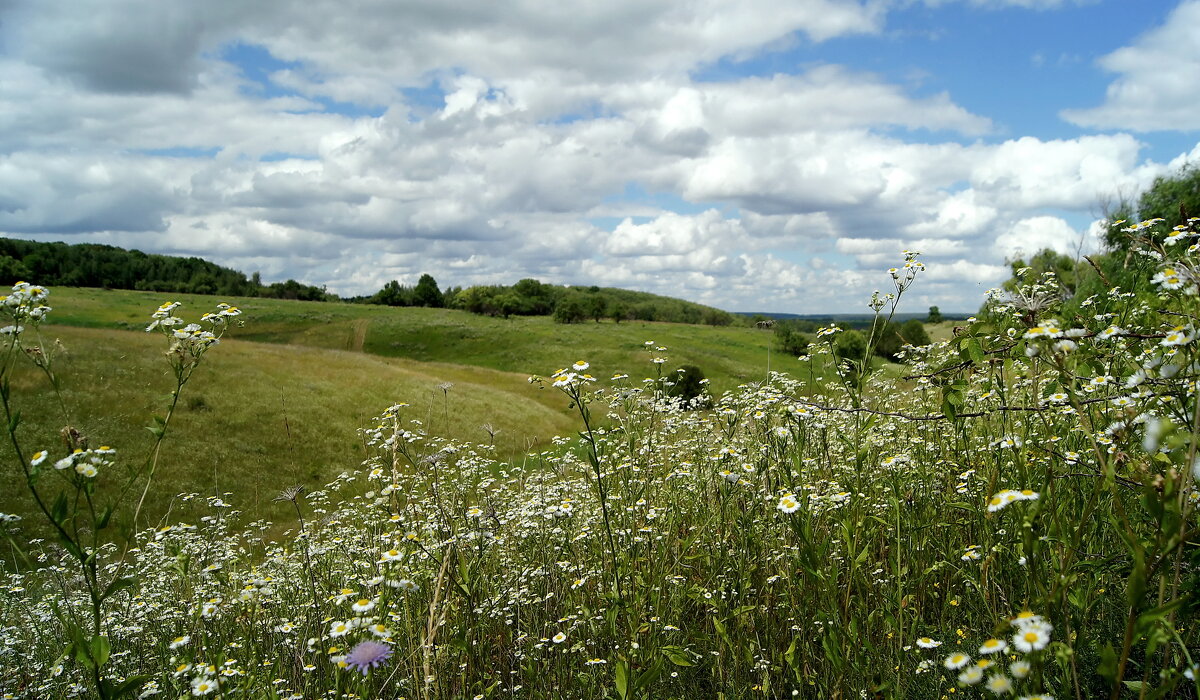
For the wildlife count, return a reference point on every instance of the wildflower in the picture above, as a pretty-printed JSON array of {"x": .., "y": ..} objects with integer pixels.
[
  {"x": 595, "y": 662},
  {"x": 1169, "y": 278},
  {"x": 559, "y": 638},
  {"x": 788, "y": 503},
  {"x": 1048, "y": 329},
  {"x": 971, "y": 554},
  {"x": 1177, "y": 336},
  {"x": 1027, "y": 617},
  {"x": 179, "y": 641},
  {"x": 1000, "y": 684},
  {"x": 86, "y": 470},
  {"x": 956, "y": 661},
  {"x": 580, "y": 366},
  {"x": 1031, "y": 638},
  {"x": 203, "y": 685},
  {"x": 339, "y": 628},
  {"x": 1019, "y": 669},
  {"x": 38, "y": 458},
  {"x": 927, "y": 643},
  {"x": 971, "y": 675},
  {"x": 367, "y": 655},
  {"x": 1065, "y": 346},
  {"x": 362, "y": 605},
  {"x": 993, "y": 646},
  {"x": 1000, "y": 500}
]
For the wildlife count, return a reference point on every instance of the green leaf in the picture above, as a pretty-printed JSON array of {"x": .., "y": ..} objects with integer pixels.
[
  {"x": 790, "y": 657},
  {"x": 974, "y": 350},
  {"x": 58, "y": 512},
  {"x": 130, "y": 686},
  {"x": 679, "y": 655},
  {"x": 721, "y": 632},
  {"x": 72, "y": 548},
  {"x": 1137, "y": 578},
  {"x": 647, "y": 677},
  {"x": 621, "y": 671},
  {"x": 105, "y": 517},
  {"x": 118, "y": 584},
  {"x": 14, "y": 422},
  {"x": 1107, "y": 667},
  {"x": 100, "y": 649}
]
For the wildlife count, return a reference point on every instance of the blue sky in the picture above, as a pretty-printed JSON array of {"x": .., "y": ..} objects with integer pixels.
[{"x": 758, "y": 155}]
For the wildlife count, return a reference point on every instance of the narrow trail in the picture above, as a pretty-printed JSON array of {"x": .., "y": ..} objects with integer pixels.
[{"x": 360, "y": 334}]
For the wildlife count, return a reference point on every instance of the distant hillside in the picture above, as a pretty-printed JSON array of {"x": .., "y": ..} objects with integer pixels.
[
  {"x": 853, "y": 320},
  {"x": 110, "y": 267},
  {"x": 568, "y": 304}
]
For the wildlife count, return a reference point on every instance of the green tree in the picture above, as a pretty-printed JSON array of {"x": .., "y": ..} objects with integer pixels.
[
  {"x": 597, "y": 306},
  {"x": 617, "y": 311},
  {"x": 789, "y": 339},
  {"x": 1064, "y": 267},
  {"x": 392, "y": 294},
  {"x": 507, "y": 303},
  {"x": 935, "y": 315},
  {"x": 851, "y": 345},
  {"x": 570, "y": 309},
  {"x": 688, "y": 383},
  {"x": 913, "y": 333},
  {"x": 12, "y": 270},
  {"x": 426, "y": 293}
]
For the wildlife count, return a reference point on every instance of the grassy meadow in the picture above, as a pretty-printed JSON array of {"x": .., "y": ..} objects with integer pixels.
[
  {"x": 1012, "y": 513},
  {"x": 262, "y": 416},
  {"x": 729, "y": 356},
  {"x": 291, "y": 388}
]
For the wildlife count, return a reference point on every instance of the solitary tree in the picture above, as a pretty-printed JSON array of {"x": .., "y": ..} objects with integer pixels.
[
  {"x": 935, "y": 315},
  {"x": 427, "y": 293}
]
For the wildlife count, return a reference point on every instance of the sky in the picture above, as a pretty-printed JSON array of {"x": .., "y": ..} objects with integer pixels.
[{"x": 757, "y": 155}]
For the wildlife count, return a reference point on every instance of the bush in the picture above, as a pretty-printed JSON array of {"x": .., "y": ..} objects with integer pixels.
[{"x": 688, "y": 383}]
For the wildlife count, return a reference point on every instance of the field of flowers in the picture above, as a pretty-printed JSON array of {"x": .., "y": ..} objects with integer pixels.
[{"x": 1013, "y": 517}]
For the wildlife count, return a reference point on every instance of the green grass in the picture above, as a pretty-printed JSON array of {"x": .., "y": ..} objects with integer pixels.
[
  {"x": 258, "y": 417},
  {"x": 281, "y": 398},
  {"x": 767, "y": 548},
  {"x": 729, "y": 356}
]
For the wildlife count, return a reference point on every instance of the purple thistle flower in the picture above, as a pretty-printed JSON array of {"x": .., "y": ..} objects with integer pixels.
[{"x": 368, "y": 655}]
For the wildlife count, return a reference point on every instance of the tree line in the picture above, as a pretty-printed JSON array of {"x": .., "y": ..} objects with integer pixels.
[
  {"x": 1174, "y": 198},
  {"x": 565, "y": 304},
  {"x": 109, "y": 267},
  {"x": 793, "y": 337}
]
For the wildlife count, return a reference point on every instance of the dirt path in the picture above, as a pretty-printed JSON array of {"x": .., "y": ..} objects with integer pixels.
[{"x": 360, "y": 334}]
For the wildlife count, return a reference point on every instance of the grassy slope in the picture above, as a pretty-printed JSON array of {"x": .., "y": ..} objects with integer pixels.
[
  {"x": 528, "y": 345},
  {"x": 259, "y": 417},
  {"x": 280, "y": 400}
]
